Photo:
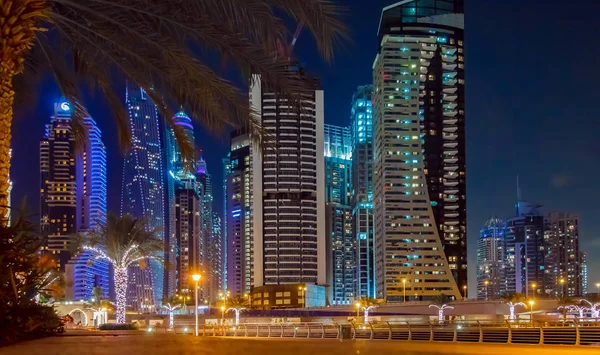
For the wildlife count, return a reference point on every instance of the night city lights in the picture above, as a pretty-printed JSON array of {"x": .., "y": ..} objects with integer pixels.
[{"x": 373, "y": 177}]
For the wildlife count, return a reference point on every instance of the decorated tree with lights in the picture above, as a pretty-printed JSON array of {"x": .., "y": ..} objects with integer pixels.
[
  {"x": 366, "y": 304},
  {"x": 564, "y": 304},
  {"x": 513, "y": 299},
  {"x": 593, "y": 302},
  {"x": 171, "y": 304},
  {"x": 237, "y": 304},
  {"x": 441, "y": 303},
  {"x": 123, "y": 242}
]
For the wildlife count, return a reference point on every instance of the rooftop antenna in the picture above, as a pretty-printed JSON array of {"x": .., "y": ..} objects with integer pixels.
[{"x": 518, "y": 195}]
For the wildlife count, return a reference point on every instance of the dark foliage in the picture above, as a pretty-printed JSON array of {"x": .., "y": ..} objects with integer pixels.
[
  {"x": 25, "y": 278},
  {"x": 114, "y": 326}
]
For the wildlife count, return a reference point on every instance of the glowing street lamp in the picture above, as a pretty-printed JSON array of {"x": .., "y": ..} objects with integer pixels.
[
  {"x": 464, "y": 292},
  {"x": 404, "y": 290},
  {"x": 531, "y": 303},
  {"x": 222, "y": 314},
  {"x": 533, "y": 286},
  {"x": 357, "y": 305},
  {"x": 598, "y": 287},
  {"x": 196, "y": 278},
  {"x": 562, "y": 286}
]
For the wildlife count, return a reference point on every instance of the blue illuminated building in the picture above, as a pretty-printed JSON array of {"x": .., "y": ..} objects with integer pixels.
[
  {"x": 362, "y": 190},
  {"x": 73, "y": 199},
  {"x": 143, "y": 191}
]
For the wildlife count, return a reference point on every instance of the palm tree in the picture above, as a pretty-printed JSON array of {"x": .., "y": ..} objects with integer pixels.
[
  {"x": 237, "y": 304},
  {"x": 172, "y": 304},
  {"x": 594, "y": 304},
  {"x": 123, "y": 242},
  {"x": 440, "y": 302},
  {"x": 564, "y": 304},
  {"x": 513, "y": 299},
  {"x": 164, "y": 46},
  {"x": 367, "y": 304}
]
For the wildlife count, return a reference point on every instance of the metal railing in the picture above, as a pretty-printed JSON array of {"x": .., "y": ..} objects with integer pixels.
[
  {"x": 258, "y": 330},
  {"x": 554, "y": 333}
]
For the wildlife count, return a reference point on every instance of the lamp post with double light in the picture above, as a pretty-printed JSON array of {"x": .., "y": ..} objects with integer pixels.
[{"x": 196, "y": 278}]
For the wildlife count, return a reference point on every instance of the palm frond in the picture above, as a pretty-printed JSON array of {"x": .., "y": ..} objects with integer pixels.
[{"x": 165, "y": 47}]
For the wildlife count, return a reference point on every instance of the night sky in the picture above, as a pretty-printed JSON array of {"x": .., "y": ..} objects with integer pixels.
[{"x": 532, "y": 110}]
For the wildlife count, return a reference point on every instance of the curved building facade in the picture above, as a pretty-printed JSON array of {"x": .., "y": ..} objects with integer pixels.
[{"x": 419, "y": 151}]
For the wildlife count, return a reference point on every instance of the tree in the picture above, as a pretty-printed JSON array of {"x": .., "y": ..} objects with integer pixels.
[
  {"x": 123, "y": 242},
  {"x": 237, "y": 304},
  {"x": 24, "y": 281},
  {"x": 440, "y": 302},
  {"x": 513, "y": 299},
  {"x": 593, "y": 301},
  {"x": 171, "y": 304},
  {"x": 564, "y": 303},
  {"x": 367, "y": 304},
  {"x": 164, "y": 46}
]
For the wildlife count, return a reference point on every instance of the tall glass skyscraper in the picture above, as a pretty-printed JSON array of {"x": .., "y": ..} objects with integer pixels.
[
  {"x": 338, "y": 213},
  {"x": 73, "y": 199},
  {"x": 362, "y": 189},
  {"x": 419, "y": 174},
  {"x": 143, "y": 190}
]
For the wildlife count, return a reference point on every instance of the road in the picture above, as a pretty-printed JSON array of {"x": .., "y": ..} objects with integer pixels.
[{"x": 151, "y": 344}]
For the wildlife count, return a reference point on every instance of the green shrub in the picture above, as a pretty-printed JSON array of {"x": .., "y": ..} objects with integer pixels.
[{"x": 113, "y": 326}]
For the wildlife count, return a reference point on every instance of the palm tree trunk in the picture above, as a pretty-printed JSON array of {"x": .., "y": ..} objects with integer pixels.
[
  {"x": 120, "y": 280},
  {"x": 7, "y": 95},
  {"x": 18, "y": 24}
]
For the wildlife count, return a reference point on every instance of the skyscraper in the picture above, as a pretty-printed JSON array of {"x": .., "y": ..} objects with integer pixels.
[
  {"x": 143, "y": 190},
  {"x": 419, "y": 173},
  {"x": 288, "y": 178},
  {"x": 188, "y": 226},
  {"x": 490, "y": 260},
  {"x": 238, "y": 214},
  {"x": 73, "y": 199},
  {"x": 338, "y": 224},
  {"x": 524, "y": 250},
  {"x": 563, "y": 257},
  {"x": 362, "y": 190}
]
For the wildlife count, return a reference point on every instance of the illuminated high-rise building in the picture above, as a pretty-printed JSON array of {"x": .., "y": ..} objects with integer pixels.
[
  {"x": 188, "y": 232},
  {"x": 238, "y": 215},
  {"x": 73, "y": 199},
  {"x": 563, "y": 257},
  {"x": 524, "y": 250},
  {"x": 338, "y": 214},
  {"x": 362, "y": 190},
  {"x": 419, "y": 174},
  {"x": 143, "y": 191},
  {"x": 491, "y": 260},
  {"x": 288, "y": 186}
]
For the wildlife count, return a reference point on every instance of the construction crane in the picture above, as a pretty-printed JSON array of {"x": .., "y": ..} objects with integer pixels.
[{"x": 285, "y": 51}]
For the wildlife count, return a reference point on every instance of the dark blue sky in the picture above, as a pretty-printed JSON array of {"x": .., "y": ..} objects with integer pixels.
[{"x": 532, "y": 79}]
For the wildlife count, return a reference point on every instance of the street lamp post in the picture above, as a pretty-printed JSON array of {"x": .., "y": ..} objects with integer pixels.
[
  {"x": 534, "y": 286},
  {"x": 357, "y": 304},
  {"x": 486, "y": 289},
  {"x": 531, "y": 303},
  {"x": 404, "y": 290},
  {"x": 562, "y": 287},
  {"x": 464, "y": 292},
  {"x": 598, "y": 288},
  {"x": 222, "y": 314},
  {"x": 196, "y": 278}
]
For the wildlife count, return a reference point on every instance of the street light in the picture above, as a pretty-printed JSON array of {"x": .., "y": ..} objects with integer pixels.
[
  {"x": 531, "y": 303},
  {"x": 598, "y": 287},
  {"x": 533, "y": 286},
  {"x": 562, "y": 287},
  {"x": 222, "y": 314},
  {"x": 404, "y": 290},
  {"x": 357, "y": 304},
  {"x": 486, "y": 289},
  {"x": 464, "y": 292},
  {"x": 196, "y": 278}
]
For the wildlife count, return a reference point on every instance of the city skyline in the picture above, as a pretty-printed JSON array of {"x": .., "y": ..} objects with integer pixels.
[{"x": 553, "y": 180}]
